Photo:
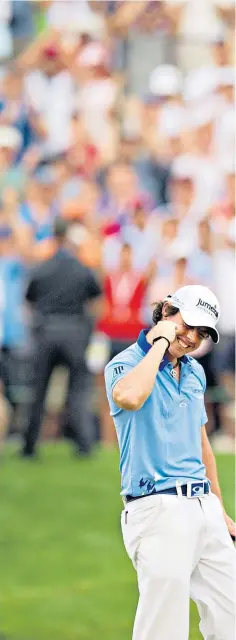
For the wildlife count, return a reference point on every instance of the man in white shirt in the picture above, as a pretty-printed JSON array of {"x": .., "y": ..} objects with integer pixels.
[{"x": 50, "y": 93}]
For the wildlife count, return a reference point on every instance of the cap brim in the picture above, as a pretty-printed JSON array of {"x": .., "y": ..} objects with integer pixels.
[{"x": 198, "y": 319}]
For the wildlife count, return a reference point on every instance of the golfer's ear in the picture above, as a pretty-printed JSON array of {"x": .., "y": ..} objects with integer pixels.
[{"x": 164, "y": 309}]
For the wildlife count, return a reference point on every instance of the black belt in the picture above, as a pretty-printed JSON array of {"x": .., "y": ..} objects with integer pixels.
[{"x": 171, "y": 490}]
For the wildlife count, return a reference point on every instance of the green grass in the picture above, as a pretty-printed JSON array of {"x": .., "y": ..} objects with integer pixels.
[{"x": 64, "y": 574}]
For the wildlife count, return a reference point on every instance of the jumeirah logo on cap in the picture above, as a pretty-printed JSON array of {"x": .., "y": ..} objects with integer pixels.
[{"x": 208, "y": 307}]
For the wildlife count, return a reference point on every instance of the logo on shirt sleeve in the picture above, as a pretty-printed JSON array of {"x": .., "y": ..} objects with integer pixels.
[{"x": 117, "y": 371}]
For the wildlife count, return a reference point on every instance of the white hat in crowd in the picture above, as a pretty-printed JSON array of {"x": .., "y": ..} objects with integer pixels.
[
  {"x": 231, "y": 231},
  {"x": 203, "y": 113},
  {"x": 225, "y": 76},
  {"x": 89, "y": 23},
  {"x": 77, "y": 234},
  {"x": 92, "y": 55},
  {"x": 228, "y": 165},
  {"x": 200, "y": 83},
  {"x": 218, "y": 33},
  {"x": 184, "y": 167},
  {"x": 165, "y": 80},
  {"x": 225, "y": 4},
  {"x": 10, "y": 138},
  {"x": 179, "y": 249},
  {"x": 198, "y": 306}
]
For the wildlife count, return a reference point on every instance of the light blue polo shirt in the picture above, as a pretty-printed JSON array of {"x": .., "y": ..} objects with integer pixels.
[{"x": 161, "y": 442}]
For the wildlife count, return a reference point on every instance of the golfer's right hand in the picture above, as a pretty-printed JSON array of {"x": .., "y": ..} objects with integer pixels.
[{"x": 165, "y": 329}]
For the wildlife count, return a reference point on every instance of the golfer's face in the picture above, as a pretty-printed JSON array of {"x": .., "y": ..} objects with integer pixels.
[{"x": 187, "y": 338}]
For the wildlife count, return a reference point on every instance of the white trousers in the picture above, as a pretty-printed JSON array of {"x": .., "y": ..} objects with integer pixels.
[{"x": 181, "y": 548}]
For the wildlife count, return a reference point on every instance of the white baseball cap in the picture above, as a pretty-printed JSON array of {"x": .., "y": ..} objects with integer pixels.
[
  {"x": 224, "y": 4},
  {"x": 179, "y": 248},
  {"x": 218, "y": 33},
  {"x": 200, "y": 83},
  {"x": 93, "y": 54},
  {"x": 228, "y": 165},
  {"x": 77, "y": 234},
  {"x": 89, "y": 23},
  {"x": 226, "y": 76},
  {"x": 165, "y": 80},
  {"x": 204, "y": 113},
  {"x": 198, "y": 306},
  {"x": 10, "y": 137},
  {"x": 184, "y": 167}
]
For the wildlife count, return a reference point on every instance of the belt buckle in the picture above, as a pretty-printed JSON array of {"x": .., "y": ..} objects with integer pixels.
[{"x": 195, "y": 489}]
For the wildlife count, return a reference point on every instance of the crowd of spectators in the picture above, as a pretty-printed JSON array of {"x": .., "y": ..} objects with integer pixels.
[{"x": 119, "y": 117}]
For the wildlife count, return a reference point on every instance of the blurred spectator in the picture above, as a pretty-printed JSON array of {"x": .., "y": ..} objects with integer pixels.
[
  {"x": 164, "y": 115},
  {"x": 6, "y": 40},
  {"x": 85, "y": 206},
  {"x": 37, "y": 213},
  {"x": 220, "y": 47},
  {"x": 178, "y": 254},
  {"x": 207, "y": 172},
  {"x": 199, "y": 25},
  {"x": 13, "y": 331},
  {"x": 11, "y": 175},
  {"x": 97, "y": 97},
  {"x": 200, "y": 262},
  {"x": 182, "y": 203},
  {"x": 82, "y": 155},
  {"x": 124, "y": 293},
  {"x": 58, "y": 292},
  {"x": 139, "y": 234},
  {"x": 121, "y": 189},
  {"x": 49, "y": 92},
  {"x": 13, "y": 108},
  {"x": 87, "y": 246},
  {"x": 151, "y": 173},
  {"x": 222, "y": 213},
  {"x": 22, "y": 23},
  {"x": 150, "y": 26},
  {"x": 224, "y": 274}
]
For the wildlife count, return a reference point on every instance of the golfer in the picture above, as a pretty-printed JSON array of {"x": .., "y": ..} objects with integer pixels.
[{"x": 175, "y": 529}]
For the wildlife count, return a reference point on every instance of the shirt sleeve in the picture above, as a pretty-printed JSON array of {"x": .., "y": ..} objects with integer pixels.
[
  {"x": 114, "y": 372},
  {"x": 204, "y": 418},
  {"x": 30, "y": 290},
  {"x": 93, "y": 287}
]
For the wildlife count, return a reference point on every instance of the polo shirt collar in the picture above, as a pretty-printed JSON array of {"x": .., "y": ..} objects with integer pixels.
[{"x": 145, "y": 346}]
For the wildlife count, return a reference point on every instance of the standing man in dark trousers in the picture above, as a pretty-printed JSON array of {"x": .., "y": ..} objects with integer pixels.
[{"x": 59, "y": 292}]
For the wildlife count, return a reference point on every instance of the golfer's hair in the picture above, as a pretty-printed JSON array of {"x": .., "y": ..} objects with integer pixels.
[{"x": 157, "y": 313}]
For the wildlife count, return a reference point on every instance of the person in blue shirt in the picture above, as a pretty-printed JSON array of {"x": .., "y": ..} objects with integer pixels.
[
  {"x": 174, "y": 526},
  {"x": 13, "y": 332},
  {"x": 14, "y": 111}
]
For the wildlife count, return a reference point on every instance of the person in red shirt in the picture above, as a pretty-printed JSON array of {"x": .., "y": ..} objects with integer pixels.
[
  {"x": 124, "y": 296},
  {"x": 83, "y": 154},
  {"x": 124, "y": 292}
]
